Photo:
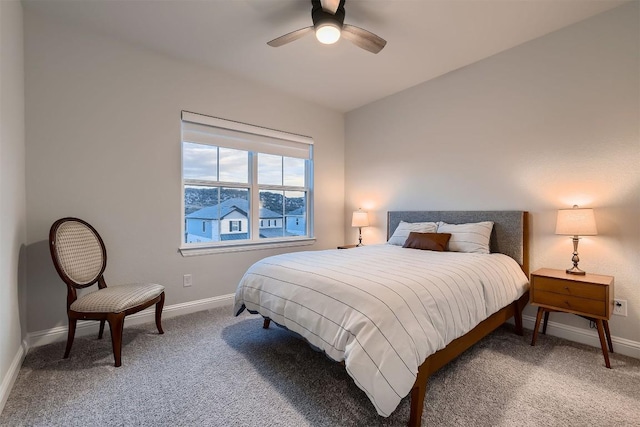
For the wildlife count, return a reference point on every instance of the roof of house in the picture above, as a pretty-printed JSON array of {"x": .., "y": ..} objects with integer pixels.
[
  {"x": 298, "y": 212},
  {"x": 226, "y": 207}
]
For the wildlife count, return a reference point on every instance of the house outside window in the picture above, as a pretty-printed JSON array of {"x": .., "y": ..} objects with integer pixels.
[{"x": 242, "y": 183}]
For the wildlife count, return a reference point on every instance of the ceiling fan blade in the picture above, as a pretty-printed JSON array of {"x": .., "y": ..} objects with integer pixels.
[
  {"x": 363, "y": 38},
  {"x": 330, "y": 6},
  {"x": 289, "y": 37}
]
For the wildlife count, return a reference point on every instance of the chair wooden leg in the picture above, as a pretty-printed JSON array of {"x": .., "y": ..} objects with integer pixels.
[
  {"x": 266, "y": 323},
  {"x": 71, "y": 334},
  {"x": 159, "y": 306},
  {"x": 101, "y": 329},
  {"x": 116, "y": 324}
]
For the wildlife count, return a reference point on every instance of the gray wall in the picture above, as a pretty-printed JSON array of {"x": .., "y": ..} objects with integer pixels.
[
  {"x": 13, "y": 234},
  {"x": 539, "y": 127},
  {"x": 103, "y": 144}
]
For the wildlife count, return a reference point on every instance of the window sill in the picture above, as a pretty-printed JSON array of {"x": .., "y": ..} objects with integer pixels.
[{"x": 242, "y": 247}]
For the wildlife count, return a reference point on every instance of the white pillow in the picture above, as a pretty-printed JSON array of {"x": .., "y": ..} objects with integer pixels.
[
  {"x": 472, "y": 237},
  {"x": 404, "y": 228}
]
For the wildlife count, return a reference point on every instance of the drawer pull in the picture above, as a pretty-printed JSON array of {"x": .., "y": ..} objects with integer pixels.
[{"x": 566, "y": 288}]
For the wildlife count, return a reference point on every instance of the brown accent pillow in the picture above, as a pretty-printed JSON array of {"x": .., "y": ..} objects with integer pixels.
[{"x": 427, "y": 241}]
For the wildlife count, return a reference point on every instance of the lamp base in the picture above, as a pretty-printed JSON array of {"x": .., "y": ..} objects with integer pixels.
[
  {"x": 575, "y": 259},
  {"x": 576, "y": 270},
  {"x": 359, "y": 237}
]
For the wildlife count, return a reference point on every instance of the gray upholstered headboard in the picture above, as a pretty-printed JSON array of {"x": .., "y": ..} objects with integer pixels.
[{"x": 510, "y": 234}]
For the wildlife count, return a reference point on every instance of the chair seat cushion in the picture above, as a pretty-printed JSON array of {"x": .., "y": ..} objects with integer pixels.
[{"x": 115, "y": 299}]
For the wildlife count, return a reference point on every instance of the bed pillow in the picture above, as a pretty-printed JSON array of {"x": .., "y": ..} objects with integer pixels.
[
  {"x": 427, "y": 241},
  {"x": 404, "y": 228},
  {"x": 472, "y": 237}
]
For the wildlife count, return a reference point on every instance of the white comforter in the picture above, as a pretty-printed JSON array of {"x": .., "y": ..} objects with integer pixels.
[{"x": 382, "y": 309}]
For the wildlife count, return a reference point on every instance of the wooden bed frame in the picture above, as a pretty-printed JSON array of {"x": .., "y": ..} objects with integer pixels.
[{"x": 510, "y": 236}]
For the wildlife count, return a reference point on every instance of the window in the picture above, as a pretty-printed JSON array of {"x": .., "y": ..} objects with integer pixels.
[{"x": 249, "y": 185}]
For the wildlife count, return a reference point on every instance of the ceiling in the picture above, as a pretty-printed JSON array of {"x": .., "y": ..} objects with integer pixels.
[{"x": 425, "y": 38}]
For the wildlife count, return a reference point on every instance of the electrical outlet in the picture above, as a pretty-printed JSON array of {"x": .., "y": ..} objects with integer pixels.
[
  {"x": 620, "y": 307},
  {"x": 186, "y": 280}
]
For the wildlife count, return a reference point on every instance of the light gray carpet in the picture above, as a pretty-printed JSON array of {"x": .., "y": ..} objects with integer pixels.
[{"x": 212, "y": 369}]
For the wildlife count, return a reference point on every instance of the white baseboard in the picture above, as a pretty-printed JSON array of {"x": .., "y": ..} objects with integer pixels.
[
  {"x": 86, "y": 327},
  {"x": 83, "y": 328},
  {"x": 10, "y": 378},
  {"x": 585, "y": 336}
]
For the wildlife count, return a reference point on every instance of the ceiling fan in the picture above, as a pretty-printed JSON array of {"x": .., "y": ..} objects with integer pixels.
[{"x": 329, "y": 26}]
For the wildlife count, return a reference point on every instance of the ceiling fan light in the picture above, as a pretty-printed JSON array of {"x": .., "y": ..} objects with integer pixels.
[{"x": 328, "y": 33}]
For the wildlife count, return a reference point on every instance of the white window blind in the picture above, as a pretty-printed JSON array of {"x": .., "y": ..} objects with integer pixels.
[{"x": 201, "y": 129}]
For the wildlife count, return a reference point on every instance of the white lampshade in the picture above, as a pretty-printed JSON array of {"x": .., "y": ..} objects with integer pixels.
[
  {"x": 360, "y": 219},
  {"x": 576, "y": 222}
]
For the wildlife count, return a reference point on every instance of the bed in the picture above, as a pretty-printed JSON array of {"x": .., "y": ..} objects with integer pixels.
[{"x": 393, "y": 315}]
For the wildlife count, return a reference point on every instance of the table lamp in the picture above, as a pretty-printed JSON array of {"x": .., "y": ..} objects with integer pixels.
[
  {"x": 360, "y": 219},
  {"x": 576, "y": 222}
]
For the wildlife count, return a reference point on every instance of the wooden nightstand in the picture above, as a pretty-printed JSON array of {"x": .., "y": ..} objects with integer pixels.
[
  {"x": 347, "y": 246},
  {"x": 589, "y": 296}
]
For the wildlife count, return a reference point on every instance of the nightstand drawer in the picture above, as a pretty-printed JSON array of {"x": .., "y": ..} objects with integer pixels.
[
  {"x": 586, "y": 306},
  {"x": 566, "y": 287}
]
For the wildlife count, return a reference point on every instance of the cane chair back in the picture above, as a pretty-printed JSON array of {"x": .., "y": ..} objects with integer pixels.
[{"x": 79, "y": 252}]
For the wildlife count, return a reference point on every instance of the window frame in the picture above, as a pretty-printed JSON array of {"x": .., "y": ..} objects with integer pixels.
[{"x": 254, "y": 240}]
